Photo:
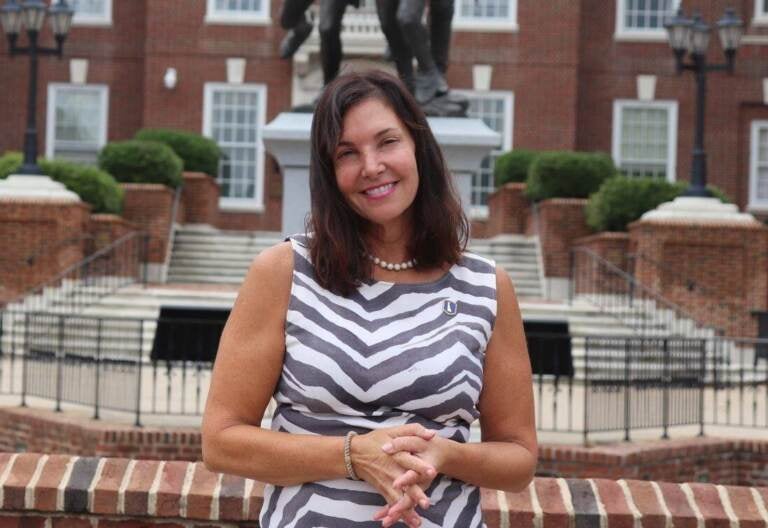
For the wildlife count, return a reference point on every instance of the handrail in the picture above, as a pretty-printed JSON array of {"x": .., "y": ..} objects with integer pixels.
[
  {"x": 46, "y": 248},
  {"x": 171, "y": 233},
  {"x": 632, "y": 290},
  {"x": 81, "y": 270}
]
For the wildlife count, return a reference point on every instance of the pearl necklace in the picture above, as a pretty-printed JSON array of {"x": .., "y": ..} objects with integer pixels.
[{"x": 401, "y": 266}]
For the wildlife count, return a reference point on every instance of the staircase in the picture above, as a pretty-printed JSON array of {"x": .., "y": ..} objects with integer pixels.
[{"x": 204, "y": 255}]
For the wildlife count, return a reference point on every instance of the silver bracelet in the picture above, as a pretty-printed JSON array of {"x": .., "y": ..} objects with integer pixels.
[{"x": 347, "y": 458}]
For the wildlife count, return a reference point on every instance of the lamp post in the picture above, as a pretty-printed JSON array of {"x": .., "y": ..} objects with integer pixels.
[
  {"x": 31, "y": 14},
  {"x": 691, "y": 36}
]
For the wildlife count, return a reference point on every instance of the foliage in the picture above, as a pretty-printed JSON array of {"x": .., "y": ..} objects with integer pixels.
[
  {"x": 199, "y": 153},
  {"x": 567, "y": 174},
  {"x": 137, "y": 161},
  {"x": 513, "y": 166}
]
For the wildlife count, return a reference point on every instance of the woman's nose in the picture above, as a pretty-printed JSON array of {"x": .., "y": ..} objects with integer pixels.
[{"x": 371, "y": 164}]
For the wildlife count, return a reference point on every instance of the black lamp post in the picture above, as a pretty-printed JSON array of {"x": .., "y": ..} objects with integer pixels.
[
  {"x": 692, "y": 36},
  {"x": 31, "y": 13}
]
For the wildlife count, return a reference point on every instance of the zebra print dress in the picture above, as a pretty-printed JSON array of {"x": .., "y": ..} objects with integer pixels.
[{"x": 387, "y": 355}]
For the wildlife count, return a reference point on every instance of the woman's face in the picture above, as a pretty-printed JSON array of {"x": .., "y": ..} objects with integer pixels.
[{"x": 375, "y": 164}]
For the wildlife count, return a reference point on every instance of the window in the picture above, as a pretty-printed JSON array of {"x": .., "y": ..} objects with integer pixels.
[
  {"x": 238, "y": 12},
  {"x": 234, "y": 116},
  {"x": 486, "y": 14},
  {"x": 495, "y": 109},
  {"x": 76, "y": 121},
  {"x": 645, "y": 138},
  {"x": 761, "y": 12},
  {"x": 643, "y": 19},
  {"x": 758, "y": 166},
  {"x": 92, "y": 12}
]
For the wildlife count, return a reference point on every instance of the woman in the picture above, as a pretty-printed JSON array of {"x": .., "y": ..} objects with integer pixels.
[{"x": 380, "y": 339}]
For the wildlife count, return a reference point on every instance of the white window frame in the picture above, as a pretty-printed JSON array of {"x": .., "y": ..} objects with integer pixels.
[
  {"x": 759, "y": 16},
  {"x": 474, "y": 24},
  {"x": 753, "y": 204},
  {"x": 214, "y": 16},
  {"x": 105, "y": 19},
  {"x": 481, "y": 212},
  {"x": 50, "y": 128},
  {"x": 638, "y": 35},
  {"x": 255, "y": 204},
  {"x": 671, "y": 106}
]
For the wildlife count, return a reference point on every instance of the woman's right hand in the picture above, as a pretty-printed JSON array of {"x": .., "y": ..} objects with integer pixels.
[{"x": 380, "y": 469}]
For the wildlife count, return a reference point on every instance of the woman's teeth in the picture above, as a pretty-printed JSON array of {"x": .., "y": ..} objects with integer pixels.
[{"x": 378, "y": 191}]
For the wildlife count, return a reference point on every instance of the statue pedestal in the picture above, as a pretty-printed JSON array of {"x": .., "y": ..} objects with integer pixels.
[{"x": 465, "y": 142}]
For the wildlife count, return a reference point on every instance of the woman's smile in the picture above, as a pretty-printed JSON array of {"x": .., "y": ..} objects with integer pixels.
[{"x": 380, "y": 191}]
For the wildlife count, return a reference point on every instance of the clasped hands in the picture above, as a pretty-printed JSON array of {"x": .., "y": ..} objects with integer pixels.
[{"x": 400, "y": 462}]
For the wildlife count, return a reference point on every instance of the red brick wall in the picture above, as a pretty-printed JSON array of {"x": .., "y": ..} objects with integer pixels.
[
  {"x": 107, "y": 228},
  {"x": 116, "y": 492},
  {"x": 48, "y": 231},
  {"x": 728, "y": 262},
  {"x": 507, "y": 210},
  {"x": 560, "y": 222},
  {"x": 200, "y": 196},
  {"x": 150, "y": 205}
]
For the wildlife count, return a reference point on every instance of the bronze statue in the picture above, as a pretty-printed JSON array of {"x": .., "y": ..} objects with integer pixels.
[
  {"x": 408, "y": 38},
  {"x": 293, "y": 17}
]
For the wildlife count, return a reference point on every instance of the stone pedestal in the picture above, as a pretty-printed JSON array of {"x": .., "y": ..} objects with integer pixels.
[
  {"x": 706, "y": 257},
  {"x": 465, "y": 142}
]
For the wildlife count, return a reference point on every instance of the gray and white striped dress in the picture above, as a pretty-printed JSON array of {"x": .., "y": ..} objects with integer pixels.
[{"x": 387, "y": 355}]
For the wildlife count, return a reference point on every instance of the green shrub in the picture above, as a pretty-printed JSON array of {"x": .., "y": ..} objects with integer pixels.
[
  {"x": 92, "y": 185},
  {"x": 199, "y": 153},
  {"x": 567, "y": 174},
  {"x": 513, "y": 166},
  {"x": 622, "y": 200},
  {"x": 137, "y": 161}
]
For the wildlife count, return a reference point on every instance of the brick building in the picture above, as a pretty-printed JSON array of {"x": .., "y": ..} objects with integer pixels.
[{"x": 563, "y": 75}]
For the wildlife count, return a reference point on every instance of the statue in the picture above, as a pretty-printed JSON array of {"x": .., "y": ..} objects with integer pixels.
[
  {"x": 294, "y": 19},
  {"x": 408, "y": 38}
]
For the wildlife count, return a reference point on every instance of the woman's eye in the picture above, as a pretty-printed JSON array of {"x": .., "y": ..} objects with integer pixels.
[
  {"x": 390, "y": 141},
  {"x": 343, "y": 154}
]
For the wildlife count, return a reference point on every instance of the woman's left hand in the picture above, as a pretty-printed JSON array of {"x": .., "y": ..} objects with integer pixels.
[{"x": 403, "y": 449}]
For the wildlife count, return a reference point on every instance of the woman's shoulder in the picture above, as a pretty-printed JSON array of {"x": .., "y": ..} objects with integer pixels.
[{"x": 271, "y": 271}]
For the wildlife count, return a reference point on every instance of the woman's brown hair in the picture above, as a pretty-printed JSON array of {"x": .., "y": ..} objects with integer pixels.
[{"x": 337, "y": 244}]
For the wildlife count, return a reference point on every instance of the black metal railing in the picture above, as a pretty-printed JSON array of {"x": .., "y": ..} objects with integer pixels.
[
  {"x": 638, "y": 307},
  {"x": 121, "y": 263},
  {"x": 614, "y": 385}
]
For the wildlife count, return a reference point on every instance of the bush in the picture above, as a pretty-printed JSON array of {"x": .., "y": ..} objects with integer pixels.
[
  {"x": 137, "y": 161},
  {"x": 92, "y": 185},
  {"x": 513, "y": 166},
  {"x": 567, "y": 174},
  {"x": 199, "y": 153},
  {"x": 622, "y": 200}
]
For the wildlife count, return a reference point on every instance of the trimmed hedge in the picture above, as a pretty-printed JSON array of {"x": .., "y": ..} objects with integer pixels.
[
  {"x": 513, "y": 166},
  {"x": 622, "y": 200},
  {"x": 199, "y": 153},
  {"x": 137, "y": 161},
  {"x": 568, "y": 174},
  {"x": 92, "y": 185}
]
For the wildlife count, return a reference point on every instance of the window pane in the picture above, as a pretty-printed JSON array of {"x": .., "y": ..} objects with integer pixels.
[
  {"x": 647, "y": 14},
  {"x": 90, "y": 7},
  {"x": 493, "y": 112},
  {"x": 485, "y": 9},
  {"x": 234, "y": 125},
  {"x": 78, "y": 120},
  {"x": 240, "y": 6},
  {"x": 644, "y": 141}
]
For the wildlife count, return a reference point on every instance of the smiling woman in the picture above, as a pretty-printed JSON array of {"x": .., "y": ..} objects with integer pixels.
[{"x": 377, "y": 370}]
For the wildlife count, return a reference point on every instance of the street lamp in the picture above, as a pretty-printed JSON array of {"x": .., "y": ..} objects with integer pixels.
[
  {"x": 31, "y": 14},
  {"x": 691, "y": 36}
]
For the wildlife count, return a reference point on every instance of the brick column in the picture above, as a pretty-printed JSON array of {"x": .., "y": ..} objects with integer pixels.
[
  {"x": 507, "y": 210},
  {"x": 49, "y": 231},
  {"x": 716, "y": 271},
  {"x": 201, "y": 199}
]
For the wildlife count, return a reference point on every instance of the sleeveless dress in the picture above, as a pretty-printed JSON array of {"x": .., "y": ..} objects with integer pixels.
[{"x": 387, "y": 355}]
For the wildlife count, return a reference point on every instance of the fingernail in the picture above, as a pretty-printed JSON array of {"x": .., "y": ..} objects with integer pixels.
[
  {"x": 431, "y": 472},
  {"x": 424, "y": 504},
  {"x": 386, "y": 447}
]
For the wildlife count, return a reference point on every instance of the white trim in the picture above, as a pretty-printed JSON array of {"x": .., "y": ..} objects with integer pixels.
[
  {"x": 624, "y": 34},
  {"x": 50, "y": 125},
  {"x": 753, "y": 203},
  {"x": 477, "y": 211},
  {"x": 104, "y": 19},
  {"x": 508, "y": 24},
  {"x": 241, "y": 204},
  {"x": 671, "y": 106},
  {"x": 213, "y": 16},
  {"x": 759, "y": 16}
]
